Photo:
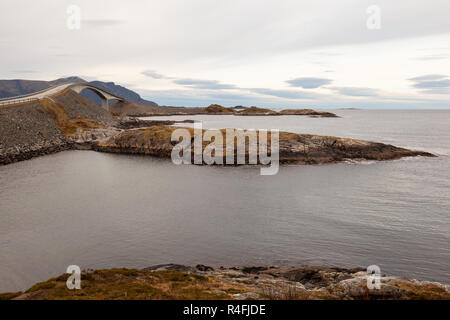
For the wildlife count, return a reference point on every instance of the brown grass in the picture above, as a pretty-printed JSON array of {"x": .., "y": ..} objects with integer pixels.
[
  {"x": 9, "y": 295},
  {"x": 131, "y": 284},
  {"x": 115, "y": 114},
  {"x": 67, "y": 126},
  {"x": 256, "y": 110},
  {"x": 216, "y": 108},
  {"x": 423, "y": 292}
]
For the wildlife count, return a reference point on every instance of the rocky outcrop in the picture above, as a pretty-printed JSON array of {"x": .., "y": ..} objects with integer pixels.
[
  {"x": 314, "y": 149},
  {"x": 308, "y": 112},
  {"x": 294, "y": 148},
  {"x": 317, "y": 282},
  {"x": 218, "y": 109},
  {"x": 172, "y": 281},
  {"x": 27, "y": 131},
  {"x": 255, "y": 111}
]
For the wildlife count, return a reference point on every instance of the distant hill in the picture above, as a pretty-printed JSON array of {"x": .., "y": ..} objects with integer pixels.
[{"x": 11, "y": 88}]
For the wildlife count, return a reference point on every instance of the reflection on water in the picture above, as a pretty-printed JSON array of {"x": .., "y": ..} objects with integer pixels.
[{"x": 105, "y": 210}]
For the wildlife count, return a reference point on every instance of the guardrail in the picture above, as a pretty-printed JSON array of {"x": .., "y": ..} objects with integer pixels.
[{"x": 16, "y": 101}]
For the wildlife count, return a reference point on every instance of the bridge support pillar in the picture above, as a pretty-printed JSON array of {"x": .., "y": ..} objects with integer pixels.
[{"x": 105, "y": 104}]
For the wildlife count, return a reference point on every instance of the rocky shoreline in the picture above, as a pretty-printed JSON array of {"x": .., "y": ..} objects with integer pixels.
[
  {"x": 27, "y": 153},
  {"x": 172, "y": 281},
  {"x": 28, "y": 131}
]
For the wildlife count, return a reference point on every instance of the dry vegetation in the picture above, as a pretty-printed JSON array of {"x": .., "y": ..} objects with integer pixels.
[
  {"x": 252, "y": 111},
  {"x": 125, "y": 284},
  {"x": 202, "y": 282},
  {"x": 67, "y": 126},
  {"x": 218, "y": 109},
  {"x": 427, "y": 291}
]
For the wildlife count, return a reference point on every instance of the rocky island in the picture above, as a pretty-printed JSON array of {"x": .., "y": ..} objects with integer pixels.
[
  {"x": 202, "y": 282},
  {"x": 139, "y": 110},
  {"x": 294, "y": 148}
]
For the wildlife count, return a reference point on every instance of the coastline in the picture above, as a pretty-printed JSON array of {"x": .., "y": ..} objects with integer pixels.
[{"x": 201, "y": 282}]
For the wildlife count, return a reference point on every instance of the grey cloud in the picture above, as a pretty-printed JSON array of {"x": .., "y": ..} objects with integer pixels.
[
  {"x": 308, "y": 82},
  {"x": 444, "y": 83},
  {"x": 432, "y": 83},
  {"x": 356, "y": 91},
  {"x": 191, "y": 83},
  {"x": 437, "y": 91},
  {"x": 204, "y": 84},
  {"x": 428, "y": 77},
  {"x": 152, "y": 74}
]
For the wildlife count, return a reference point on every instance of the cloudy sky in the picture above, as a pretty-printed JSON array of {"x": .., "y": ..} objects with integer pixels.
[{"x": 280, "y": 53}]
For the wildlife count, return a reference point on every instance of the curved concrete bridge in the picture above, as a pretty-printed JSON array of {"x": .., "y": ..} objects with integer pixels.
[{"x": 104, "y": 95}]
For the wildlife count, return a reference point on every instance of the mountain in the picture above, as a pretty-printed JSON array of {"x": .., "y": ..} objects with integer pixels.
[{"x": 11, "y": 88}]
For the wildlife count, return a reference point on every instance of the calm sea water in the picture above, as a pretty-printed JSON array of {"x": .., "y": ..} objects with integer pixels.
[{"x": 106, "y": 210}]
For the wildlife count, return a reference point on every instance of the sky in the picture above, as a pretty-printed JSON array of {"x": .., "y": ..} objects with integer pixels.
[{"x": 323, "y": 54}]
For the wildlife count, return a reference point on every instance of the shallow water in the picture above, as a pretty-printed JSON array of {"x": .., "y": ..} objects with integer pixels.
[{"x": 107, "y": 210}]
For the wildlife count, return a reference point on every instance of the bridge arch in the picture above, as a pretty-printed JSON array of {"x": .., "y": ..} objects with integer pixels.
[{"x": 102, "y": 94}]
